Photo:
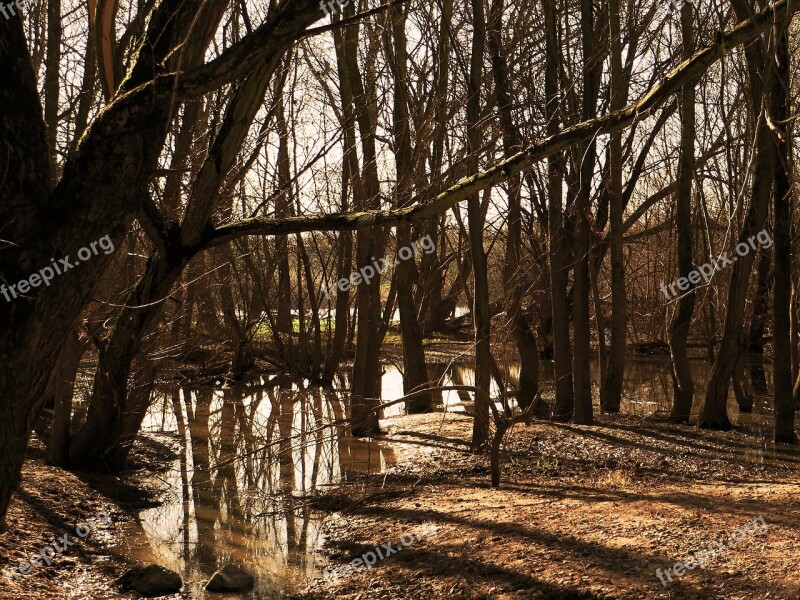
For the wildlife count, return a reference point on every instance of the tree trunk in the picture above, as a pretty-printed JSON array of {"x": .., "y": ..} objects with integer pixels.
[
  {"x": 52, "y": 85},
  {"x": 283, "y": 208},
  {"x": 612, "y": 384},
  {"x": 682, "y": 385},
  {"x": 475, "y": 218},
  {"x": 755, "y": 339},
  {"x": 103, "y": 430},
  {"x": 366, "y": 379},
  {"x": 744, "y": 398},
  {"x": 782, "y": 246},
  {"x": 137, "y": 404},
  {"x": 61, "y": 389},
  {"x": 433, "y": 306},
  {"x": 513, "y": 276},
  {"x": 415, "y": 373},
  {"x": 583, "y": 414},
  {"x": 563, "y": 406},
  {"x": 715, "y": 413}
]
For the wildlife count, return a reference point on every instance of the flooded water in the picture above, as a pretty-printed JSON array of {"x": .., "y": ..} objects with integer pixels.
[{"x": 249, "y": 457}]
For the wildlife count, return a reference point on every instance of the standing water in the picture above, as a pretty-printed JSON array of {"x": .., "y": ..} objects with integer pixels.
[{"x": 250, "y": 457}]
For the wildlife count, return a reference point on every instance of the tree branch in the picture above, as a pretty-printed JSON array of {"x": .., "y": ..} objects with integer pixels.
[{"x": 689, "y": 70}]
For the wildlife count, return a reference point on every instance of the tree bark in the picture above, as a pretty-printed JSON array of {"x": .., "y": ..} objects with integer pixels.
[
  {"x": 583, "y": 414},
  {"x": 564, "y": 404},
  {"x": 682, "y": 385},
  {"x": 782, "y": 197},
  {"x": 612, "y": 384},
  {"x": 415, "y": 373},
  {"x": 475, "y": 218}
]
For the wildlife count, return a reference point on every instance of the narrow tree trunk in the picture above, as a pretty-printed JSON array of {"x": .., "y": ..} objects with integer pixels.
[
  {"x": 611, "y": 386},
  {"x": 513, "y": 276},
  {"x": 61, "y": 389},
  {"x": 682, "y": 385},
  {"x": 366, "y": 377},
  {"x": 782, "y": 246},
  {"x": 583, "y": 414},
  {"x": 433, "y": 305},
  {"x": 563, "y": 406},
  {"x": 52, "y": 86},
  {"x": 480, "y": 309},
  {"x": 794, "y": 330},
  {"x": 415, "y": 373},
  {"x": 755, "y": 339},
  {"x": 285, "y": 322},
  {"x": 744, "y": 397}
]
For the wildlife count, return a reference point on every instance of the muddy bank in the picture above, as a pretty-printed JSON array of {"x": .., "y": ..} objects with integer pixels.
[
  {"x": 587, "y": 512},
  {"x": 582, "y": 513},
  {"x": 51, "y": 503}
]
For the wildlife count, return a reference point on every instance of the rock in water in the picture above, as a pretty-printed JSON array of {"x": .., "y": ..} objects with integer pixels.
[
  {"x": 151, "y": 581},
  {"x": 230, "y": 578}
]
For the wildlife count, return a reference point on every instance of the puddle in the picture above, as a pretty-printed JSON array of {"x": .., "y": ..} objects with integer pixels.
[{"x": 250, "y": 456}]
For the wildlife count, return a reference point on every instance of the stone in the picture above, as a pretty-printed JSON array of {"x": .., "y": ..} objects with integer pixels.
[
  {"x": 151, "y": 581},
  {"x": 230, "y": 578}
]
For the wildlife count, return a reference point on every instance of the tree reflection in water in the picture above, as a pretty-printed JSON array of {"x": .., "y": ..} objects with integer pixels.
[
  {"x": 249, "y": 457},
  {"x": 251, "y": 454}
]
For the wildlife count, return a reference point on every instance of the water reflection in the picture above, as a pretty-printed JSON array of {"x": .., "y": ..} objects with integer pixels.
[{"x": 250, "y": 455}]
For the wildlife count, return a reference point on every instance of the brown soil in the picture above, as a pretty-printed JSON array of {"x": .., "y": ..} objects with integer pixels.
[
  {"x": 586, "y": 512},
  {"x": 51, "y": 502}
]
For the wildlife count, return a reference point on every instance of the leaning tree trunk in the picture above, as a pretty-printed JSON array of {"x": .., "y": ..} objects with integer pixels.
[
  {"x": 715, "y": 413},
  {"x": 103, "y": 430},
  {"x": 139, "y": 400},
  {"x": 682, "y": 385}
]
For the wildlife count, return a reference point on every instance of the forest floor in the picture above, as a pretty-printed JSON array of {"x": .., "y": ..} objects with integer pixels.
[
  {"x": 50, "y": 503},
  {"x": 586, "y": 512}
]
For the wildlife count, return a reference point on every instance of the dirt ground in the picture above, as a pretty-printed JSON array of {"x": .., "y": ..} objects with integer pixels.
[
  {"x": 581, "y": 513},
  {"x": 52, "y": 502},
  {"x": 589, "y": 513}
]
